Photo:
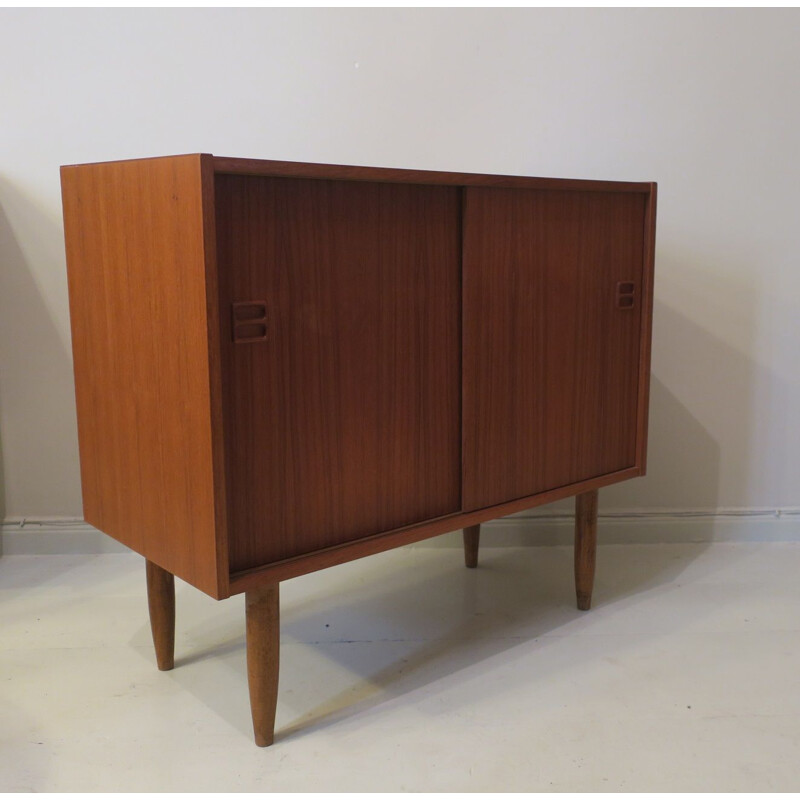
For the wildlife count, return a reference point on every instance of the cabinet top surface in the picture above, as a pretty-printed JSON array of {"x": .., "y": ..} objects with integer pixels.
[{"x": 299, "y": 169}]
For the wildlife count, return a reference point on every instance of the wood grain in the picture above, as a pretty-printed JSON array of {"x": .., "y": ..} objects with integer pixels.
[
  {"x": 297, "y": 169},
  {"x": 648, "y": 277},
  {"x": 262, "y": 610},
  {"x": 161, "y": 603},
  {"x": 216, "y": 386},
  {"x": 585, "y": 547},
  {"x": 550, "y": 364},
  {"x": 153, "y": 360},
  {"x": 345, "y": 421},
  {"x": 137, "y": 270},
  {"x": 472, "y": 539},
  {"x": 379, "y": 543}
]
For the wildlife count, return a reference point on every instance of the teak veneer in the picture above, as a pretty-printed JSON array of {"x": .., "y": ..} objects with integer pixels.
[{"x": 280, "y": 367}]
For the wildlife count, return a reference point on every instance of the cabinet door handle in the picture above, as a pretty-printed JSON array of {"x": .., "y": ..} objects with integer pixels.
[
  {"x": 626, "y": 294},
  {"x": 249, "y": 321}
]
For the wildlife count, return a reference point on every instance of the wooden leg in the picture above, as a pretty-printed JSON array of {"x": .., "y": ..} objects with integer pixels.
[
  {"x": 263, "y": 648},
  {"x": 161, "y": 600},
  {"x": 472, "y": 536},
  {"x": 585, "y": 547}
]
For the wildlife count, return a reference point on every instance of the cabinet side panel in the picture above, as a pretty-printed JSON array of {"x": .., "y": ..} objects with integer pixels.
[
  {"x": 137, "y": 286},
  {"x": 344, "y": 420},
  {"x": 552, "y": 319}
]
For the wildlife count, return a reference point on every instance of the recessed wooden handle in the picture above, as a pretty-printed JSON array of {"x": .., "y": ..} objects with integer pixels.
[
  {"x": 249, "y": 321},
  {"x": 626, "y": 294}
]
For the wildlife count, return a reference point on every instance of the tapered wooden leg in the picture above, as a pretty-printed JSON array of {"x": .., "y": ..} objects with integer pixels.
[
  {"x": 161, "y": 601},
  {"x": 472, "y": 537},
  {"x": 585, "y": 547},
  {"x": 263, "y": 649}
]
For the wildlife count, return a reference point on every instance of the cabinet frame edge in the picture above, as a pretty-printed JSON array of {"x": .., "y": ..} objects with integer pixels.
[
  {"x": 216, "y": 388},
  {"x": 300, "y": 169},
  {"x": 646, "y": 328},
  {"x": 387, "y": 540}
]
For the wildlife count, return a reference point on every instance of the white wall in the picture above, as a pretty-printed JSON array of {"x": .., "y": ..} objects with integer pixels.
[{"x": 707, "y": 103}]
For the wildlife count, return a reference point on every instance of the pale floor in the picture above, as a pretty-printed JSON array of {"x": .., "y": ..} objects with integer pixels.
[{"x": 408, "y": 672}]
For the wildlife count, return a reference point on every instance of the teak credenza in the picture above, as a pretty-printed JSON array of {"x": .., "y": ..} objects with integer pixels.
[{"x": 281, "y": 366}]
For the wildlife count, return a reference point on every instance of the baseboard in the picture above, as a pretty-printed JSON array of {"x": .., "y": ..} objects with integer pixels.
[
  {"x": 640, "y": 527},
  {"x": 66, "y": 536},
  {"x": 43, "y": 536}
]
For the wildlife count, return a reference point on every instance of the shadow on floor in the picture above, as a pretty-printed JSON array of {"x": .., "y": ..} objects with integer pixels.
[
  {"x": 454, "y": 619},
  {"x": 402, "y": 621}
]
